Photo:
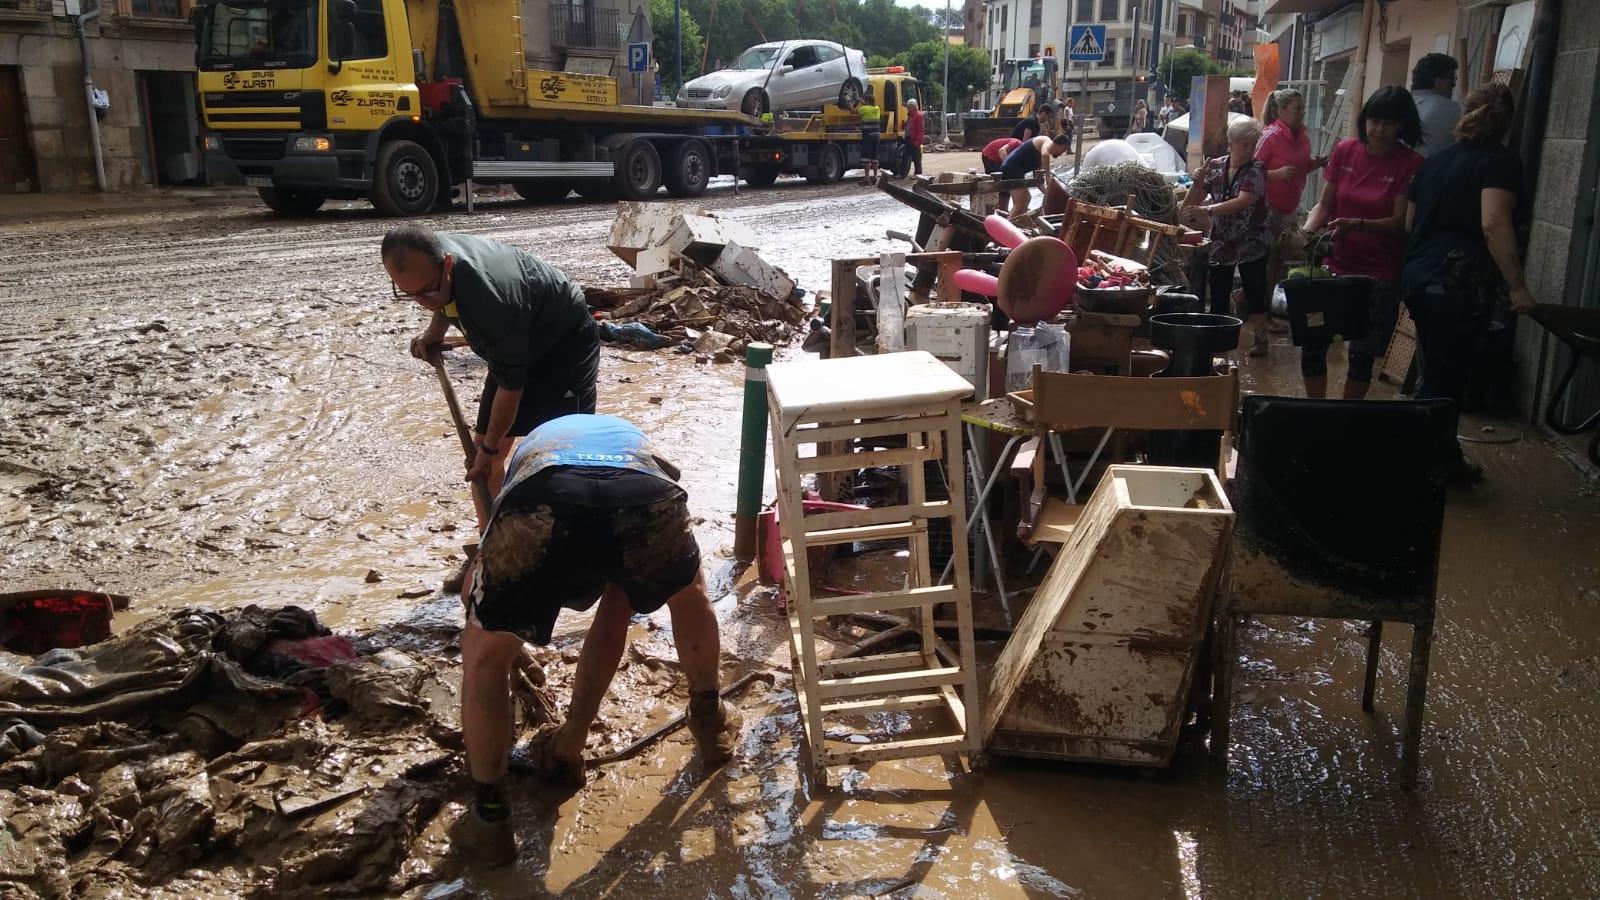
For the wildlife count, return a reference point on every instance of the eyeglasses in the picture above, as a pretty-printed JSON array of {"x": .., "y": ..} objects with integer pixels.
[{"x": 428, "y": 293}]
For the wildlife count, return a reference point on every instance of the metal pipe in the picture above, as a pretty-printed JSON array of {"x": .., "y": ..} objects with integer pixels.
[
  {"x": 944, "y": 103},
  {"x": 677, "y": 27},
  {"x": 752, "y": 450},
  {"x": 88, "y": 99}
]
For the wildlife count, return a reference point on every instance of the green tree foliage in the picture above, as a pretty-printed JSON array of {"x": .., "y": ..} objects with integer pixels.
[
  {"x": 1181, "y": 66},
  {"x": 665, "y": 45},
  {"x": 969, "y": 71}
]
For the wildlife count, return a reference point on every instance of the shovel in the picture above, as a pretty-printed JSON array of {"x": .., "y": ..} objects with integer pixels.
[{"x": 480, "y": 490}]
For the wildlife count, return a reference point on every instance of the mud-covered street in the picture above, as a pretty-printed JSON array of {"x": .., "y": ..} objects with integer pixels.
[{"x": 212, "y": 408}]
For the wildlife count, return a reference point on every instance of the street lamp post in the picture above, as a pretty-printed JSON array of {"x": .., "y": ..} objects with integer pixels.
[{"x": 944, "y": 104}]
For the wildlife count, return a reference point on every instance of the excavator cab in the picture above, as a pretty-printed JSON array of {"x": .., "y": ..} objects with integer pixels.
[{"x": 1025, "y": 86}]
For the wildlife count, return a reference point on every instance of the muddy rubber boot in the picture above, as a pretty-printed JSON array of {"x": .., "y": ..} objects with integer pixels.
[
  {"x": 484, "y": 833},
  {"x": 715, "y": 725}
]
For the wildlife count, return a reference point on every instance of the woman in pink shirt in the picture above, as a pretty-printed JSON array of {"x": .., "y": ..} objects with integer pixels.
[
  {"x": 1363, "y": 205},
  {"x": 1285, "y": 151}
]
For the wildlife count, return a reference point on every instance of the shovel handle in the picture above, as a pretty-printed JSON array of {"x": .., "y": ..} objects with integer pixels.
[{"x": 463, "y": 432}]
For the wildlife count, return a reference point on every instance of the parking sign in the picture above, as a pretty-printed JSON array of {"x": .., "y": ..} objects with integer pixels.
[
  {"x": 638, "y": 57},
  {"x": 1087, "y": 43}
]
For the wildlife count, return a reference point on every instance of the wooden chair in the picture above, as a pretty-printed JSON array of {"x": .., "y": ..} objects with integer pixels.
[
  {"x": 1066, "y": 402},
  {"x": 1339, "y": 509}
]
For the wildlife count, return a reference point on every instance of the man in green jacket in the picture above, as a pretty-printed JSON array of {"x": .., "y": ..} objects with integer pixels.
[{"x": 524, "y": 317}]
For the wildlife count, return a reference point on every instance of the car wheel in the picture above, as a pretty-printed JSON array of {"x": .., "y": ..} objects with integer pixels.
[
  {"x": 291, "y": 203},
  {"x": 850, "y": 93},
  {"x": 755, "y": 103}
]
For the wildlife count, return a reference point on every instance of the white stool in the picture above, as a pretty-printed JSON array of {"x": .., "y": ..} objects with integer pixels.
[{"x": 827, "y": 403}]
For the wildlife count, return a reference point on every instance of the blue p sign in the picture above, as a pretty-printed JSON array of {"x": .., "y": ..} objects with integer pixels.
[{"x": 638, "y": 57}]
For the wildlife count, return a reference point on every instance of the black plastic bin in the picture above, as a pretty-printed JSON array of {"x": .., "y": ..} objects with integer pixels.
[{"x": 1324, "y": 310}]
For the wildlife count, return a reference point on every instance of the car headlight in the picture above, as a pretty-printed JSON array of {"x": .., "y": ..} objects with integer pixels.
[
  {"x": 723, "y": 91},
  {"x": 212, "y": 142},
  {"x": 318, "y": 144}
]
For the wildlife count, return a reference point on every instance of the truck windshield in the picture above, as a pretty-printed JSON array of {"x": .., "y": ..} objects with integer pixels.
[
  {"x": 755, "y": 58},
  {"x": 258, "y": 34}
]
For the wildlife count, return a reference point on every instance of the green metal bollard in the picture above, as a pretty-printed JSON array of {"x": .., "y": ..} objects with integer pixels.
[{"x": 752, "y": 450}]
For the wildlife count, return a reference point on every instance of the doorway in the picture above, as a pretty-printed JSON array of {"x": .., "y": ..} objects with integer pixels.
[
  {"x": 16, "y": 150},
  {"x": 170, "y": 127}
]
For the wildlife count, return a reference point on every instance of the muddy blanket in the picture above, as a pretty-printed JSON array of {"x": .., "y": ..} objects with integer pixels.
[{"x": 220, "y": 755}]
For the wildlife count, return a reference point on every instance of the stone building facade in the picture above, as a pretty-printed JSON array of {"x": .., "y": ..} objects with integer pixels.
[{"x": 141, "y": 53}]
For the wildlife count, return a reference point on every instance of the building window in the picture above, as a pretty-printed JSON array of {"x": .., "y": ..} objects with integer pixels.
[
  {"x": 1036, "y": 15},
  {"x": 1183, "y": 25},
  {"x": 1085, "y": 12},
  {"x": 1108, "y": 10},
  {"x": 1033, "y": 51},
  {"x": 1110, "y": 60},
  {"x": 1005, "y": 15}
]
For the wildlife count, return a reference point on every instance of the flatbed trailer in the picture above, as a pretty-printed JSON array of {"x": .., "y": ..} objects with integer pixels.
[{"x": 366, "y": 119}]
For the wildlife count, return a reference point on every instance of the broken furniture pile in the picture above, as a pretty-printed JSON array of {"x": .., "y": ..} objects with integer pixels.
[{"x": 698, "y": 281}]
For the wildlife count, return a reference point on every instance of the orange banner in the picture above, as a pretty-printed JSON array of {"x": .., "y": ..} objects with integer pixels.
[{"x": 1266, "y": 77}]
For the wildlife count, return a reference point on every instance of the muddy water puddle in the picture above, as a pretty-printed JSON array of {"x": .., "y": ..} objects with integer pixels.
[{"x": 214, "y": 408}]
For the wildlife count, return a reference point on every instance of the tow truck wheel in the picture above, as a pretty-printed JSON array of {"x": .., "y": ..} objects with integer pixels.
[
  {"x": 543, "y": 190},
  {"x": 829, "y": 168},
  {"x": 638, "y": 174},
  {"x": 761, "y": 176},
  {"x": 405, "y": 181},
  {"x": 688, "y": 169},
  {"x": 291, "y": 203},
  {"x": 850, "y": 93},
  {"x": 755, "y": 103},
  {"x": 902, "y": 162}
]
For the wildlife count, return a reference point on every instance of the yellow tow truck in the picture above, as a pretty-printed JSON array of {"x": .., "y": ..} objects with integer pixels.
[{"x": 401, "y": 101}]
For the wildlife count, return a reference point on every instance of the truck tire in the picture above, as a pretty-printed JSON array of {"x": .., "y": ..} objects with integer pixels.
[
  {"x": 405, "y": 181},
  {"x": 902, "y": 162},
  {"x": 689, "y": 167},
  {"x": 755, "y": 103},
  {"x": 638, "y": 175},
  {"x": 543, "y": 190},
  {"x": 291, "y": 203},
  {"x": 761, "y": 176},
  {"x": 850, "y": 93},
  {"x": 829, "y": 168}
]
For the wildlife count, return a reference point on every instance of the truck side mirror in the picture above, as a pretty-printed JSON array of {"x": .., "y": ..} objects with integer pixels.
[
  {"x": 419, "y": 64},
  {"x": 341, "y": 33}
]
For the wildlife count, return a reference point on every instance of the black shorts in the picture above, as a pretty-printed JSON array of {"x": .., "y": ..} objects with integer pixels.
[
  {"x": 559, "y": 384},
  {"x": 869, "y": 145},
  {"x": 990, "y": 167},
  {"x": 558, "y": 539}
]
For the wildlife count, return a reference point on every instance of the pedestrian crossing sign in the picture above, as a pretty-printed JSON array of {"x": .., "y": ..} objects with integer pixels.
[{"x": 1087, "y": 43}]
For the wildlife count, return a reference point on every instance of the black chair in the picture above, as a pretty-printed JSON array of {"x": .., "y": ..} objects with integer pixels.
[{"x": 1339, "y": 509}]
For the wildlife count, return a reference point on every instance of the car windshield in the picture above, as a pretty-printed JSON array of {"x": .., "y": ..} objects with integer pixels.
[
  {"x": 755, "y": 58},
  {"x": 258, "y": 34}
]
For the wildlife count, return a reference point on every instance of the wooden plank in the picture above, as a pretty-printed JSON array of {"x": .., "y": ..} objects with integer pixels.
[
  {"x": 839, "y": 753},
  {"x": 874, "y": 602},
  {"x": 867, "y": 459},
  {"x": 877, "y": 663},
  {"x": 1066, "y": 400},
  {"x": 885, "y": 427},
  {"x": 865, "y": 533},
  {"x": 884, "y": 704},
  {"x": 887, "y": 682},
  {"x": 853, "y": 518}
]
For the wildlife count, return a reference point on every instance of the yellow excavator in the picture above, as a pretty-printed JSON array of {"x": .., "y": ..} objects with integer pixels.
[{"x": 1025, "y": 86}]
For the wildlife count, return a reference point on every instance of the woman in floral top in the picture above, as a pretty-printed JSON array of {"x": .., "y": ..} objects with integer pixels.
[{"x": 1234, "y": 188}]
